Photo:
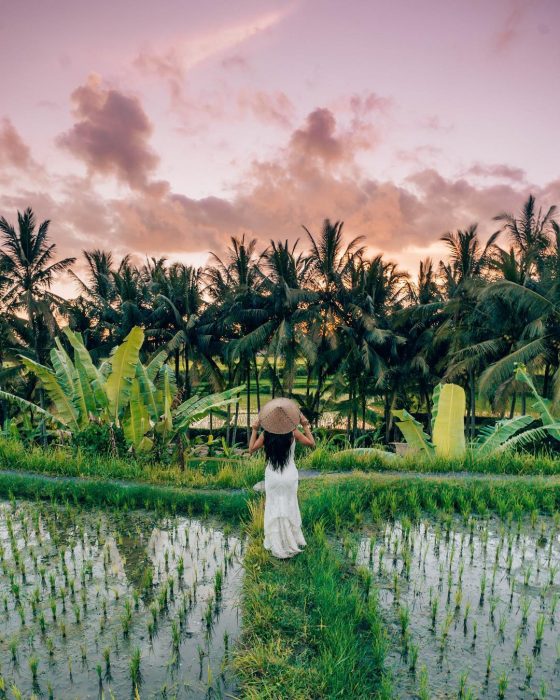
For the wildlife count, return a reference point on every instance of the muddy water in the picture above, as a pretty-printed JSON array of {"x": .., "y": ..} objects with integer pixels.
[
  {"x": 84, "y": 593},
  {"x": 472, "y": 609}
]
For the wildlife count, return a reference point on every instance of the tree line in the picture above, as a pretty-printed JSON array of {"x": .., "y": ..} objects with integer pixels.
[{"x": 317, "y": 320}]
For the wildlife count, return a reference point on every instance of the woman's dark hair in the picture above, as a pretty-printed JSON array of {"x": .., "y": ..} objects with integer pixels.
[{"x": 277, "y": 449}]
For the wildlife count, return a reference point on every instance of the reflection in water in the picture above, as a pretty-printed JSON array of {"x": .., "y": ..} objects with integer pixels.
[
  {"x": 92, "y": 603},
  {"x": 472, "y": 608}
]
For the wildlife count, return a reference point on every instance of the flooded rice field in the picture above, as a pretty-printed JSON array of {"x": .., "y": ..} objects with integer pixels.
[
  {"x": 472, "y": 607},
  {"x": 115, "y": 605}
]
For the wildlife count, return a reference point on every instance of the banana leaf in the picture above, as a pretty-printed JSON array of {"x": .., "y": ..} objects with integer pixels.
[
  {"x": 541, "y": 405},
  {"x": 87, "y": 370},
  {"x": 528, "y": 437},
  {"x": 29, "y": 406},
  {"x": 63, "y": 367},
  {"x": 492, "y": 438},
  {"x": 85, "y": 392},
  {"x": 147, "y": 391},
  {"x": 413, "y": 432},
  {"x": 197, "y": 407},
  {"x": 448, "y": 432},
  {"x": 137, "y": 422},
  {"x": 123, "y": 368},
  {"x": 164, "y": 398},
  {"x": 154, "y": 366},
  {"x": 64, "y": 404}
]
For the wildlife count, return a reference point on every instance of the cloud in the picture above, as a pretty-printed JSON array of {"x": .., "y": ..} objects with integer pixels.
[
  {"x": 14, "y": 152},
  {"x": 500, "y": 170},
  {"x": 509, "y": 32},
  {"x": 319, "y": 139},
  {"x": 364, "y": 105},
  {"x": 173, "y": 61},
  {"x": 111, "y": 134},
  {"x": 235, "y": 61},
  {"x": 273, "y": 108},
  {"x": 314, "y": 176}
]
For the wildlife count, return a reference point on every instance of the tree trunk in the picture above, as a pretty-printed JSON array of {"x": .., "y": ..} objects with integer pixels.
[
  {"x": 386, "y": 417},
  {"x": 187, "y": 374},
  {"x": 248, "y": 401},
  {"x": 177, "y": 357},
  {"x": 228, "y": 419},
  {"x": 546, "y": 380},
  {"x": 257, "y": 384},
  {"x": 472, "y": 392},
  {"x": 273, "y": 388},
  {"x": 512, "y": 409},
  {"x": 354, "y": 416},
  {"x": 235, "y": 421}
]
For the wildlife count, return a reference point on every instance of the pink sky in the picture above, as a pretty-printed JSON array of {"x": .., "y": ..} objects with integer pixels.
[{"x": 164, "y": 128}]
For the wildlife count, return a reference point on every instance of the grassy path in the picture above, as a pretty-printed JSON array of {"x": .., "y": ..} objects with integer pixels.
[
  {"x": 226, "y": 503},
  {"x": 311, "y": 627}
]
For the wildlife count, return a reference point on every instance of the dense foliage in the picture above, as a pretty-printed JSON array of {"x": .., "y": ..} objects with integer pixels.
[{"x": 335, "y": 328}]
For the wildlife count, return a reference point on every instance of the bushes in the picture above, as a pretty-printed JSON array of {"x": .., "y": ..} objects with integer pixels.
[{"x": 100, "y": 439}]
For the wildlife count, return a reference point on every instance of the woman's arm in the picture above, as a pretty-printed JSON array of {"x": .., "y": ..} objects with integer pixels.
[
  {"x": 306, "y": 438},
  {"x": 256, "y": 441}
]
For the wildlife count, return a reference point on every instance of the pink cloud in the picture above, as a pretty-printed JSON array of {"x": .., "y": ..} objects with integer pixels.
[
  {"x": 236, "y": 61},
  {"x": 513, "y": 23},
  {"x": 14, "y": 152},
  {"x": 111, "y": 135},
  {"x": 313, "y": 177},
  {"x": 500, "y": 170},
  {"x": 317, "y": 137},
  {"x": 270, "y": 108}
]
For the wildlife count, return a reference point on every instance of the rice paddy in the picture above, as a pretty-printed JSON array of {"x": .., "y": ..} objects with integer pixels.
[
  {"x": 115, "y": 604},
  {"x": 472, "y": 605}
]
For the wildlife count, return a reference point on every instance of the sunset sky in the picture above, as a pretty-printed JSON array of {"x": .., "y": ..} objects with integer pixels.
[{"x": 163, "y": 128}]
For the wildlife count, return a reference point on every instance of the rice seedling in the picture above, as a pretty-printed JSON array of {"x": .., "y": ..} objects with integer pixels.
[
  {"x": 92, "y": 577},
  {"x": 440, "y": 595}
]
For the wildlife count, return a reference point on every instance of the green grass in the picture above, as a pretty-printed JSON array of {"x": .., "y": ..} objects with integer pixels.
[
  {"x": 311, "y": 626},
  {"x": 349, "y": 501},
  {"x": 64, "y": 462},
  {"x": 225, "y": 504},
  {"x": 324, "y": 459}
]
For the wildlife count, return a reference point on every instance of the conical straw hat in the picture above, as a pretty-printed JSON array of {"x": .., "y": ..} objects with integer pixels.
[{"x": 279, "y": 416}]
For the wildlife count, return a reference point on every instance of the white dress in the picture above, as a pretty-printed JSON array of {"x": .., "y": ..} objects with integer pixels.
[{"x": 282, "y": 519}]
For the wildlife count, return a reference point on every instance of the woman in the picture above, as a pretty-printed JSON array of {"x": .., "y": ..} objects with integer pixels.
[{"x": 282, "y": 520}]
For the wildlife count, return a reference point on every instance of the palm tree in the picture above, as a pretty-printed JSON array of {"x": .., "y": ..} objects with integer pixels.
[
  {"x": 178, "y": 307},
  {"x": 93, "y": 312},
  {"x": 530, "y": 235},
  {"x": 330, "y": 267},
  {"x": 464, "y": 276},
  {"x": 286, "y": 303},
  {"x": 27, "y": 262},
  {"x": 235, "y": 286},
  {"x": 529, "y": 295},
  {"x": 369, "y": 345}
]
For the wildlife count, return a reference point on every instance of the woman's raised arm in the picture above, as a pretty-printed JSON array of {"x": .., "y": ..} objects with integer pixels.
[
  {"x": 306, "y": 438},
  {"x": 256, "y": 441}
]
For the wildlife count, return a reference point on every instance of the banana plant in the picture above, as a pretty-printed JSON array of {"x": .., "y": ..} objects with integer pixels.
[
  {"x": 448, "y": 426},
  {"x": 122, "y": 391},
  {"x": 541, "y": 405}
]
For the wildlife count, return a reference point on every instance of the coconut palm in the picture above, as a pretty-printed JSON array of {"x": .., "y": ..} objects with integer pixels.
[
  {"x": 330, "y": 266},
  {"x": 27, "y": 261}
]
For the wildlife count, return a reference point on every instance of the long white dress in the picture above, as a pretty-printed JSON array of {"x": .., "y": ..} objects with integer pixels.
[{"x": 282, "y": 519}]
